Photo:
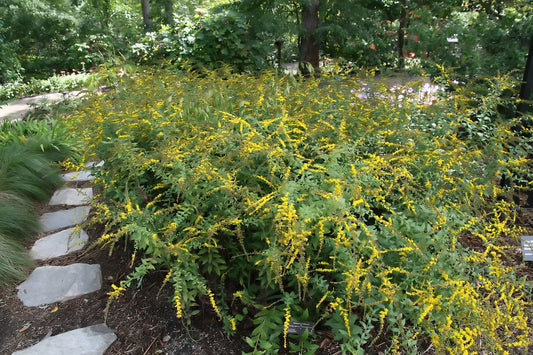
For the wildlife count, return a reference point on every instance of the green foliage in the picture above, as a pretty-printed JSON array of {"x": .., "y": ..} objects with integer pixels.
[
  {"x": 299, "y": 200},
  {"x": 224, "y": 37},
  {"x": 28, "y": 174},
  {"x": 40, "y": 32},
  {"x": 500, "y": 46},
  {"x": 103, "y": 49},
  {"x": 55, "y": 83},
  {"x": 38, "y": 36},
  {"x": 486, "y": 45},
  {"x": 10, "y": 68},
  {"x": 208, "y": 41}
]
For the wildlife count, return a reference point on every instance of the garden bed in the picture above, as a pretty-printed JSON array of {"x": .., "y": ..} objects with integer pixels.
[{"x": 258, "y": 201}]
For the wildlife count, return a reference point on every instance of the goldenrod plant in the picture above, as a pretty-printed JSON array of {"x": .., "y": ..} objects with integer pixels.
[{"x": 281, "y": 199}]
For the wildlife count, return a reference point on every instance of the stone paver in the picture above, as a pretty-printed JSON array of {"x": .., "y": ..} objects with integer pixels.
[
  {"x": 527, "y": 247},
  {"x": 53, "y": 221},
  {"x": 78, "y": 176},
  {"x": 93, "y": 340},
  {"x": 49, "y": 284},
  {"x": 58, "y": 244},
  {"x": 71, "y": 196}
]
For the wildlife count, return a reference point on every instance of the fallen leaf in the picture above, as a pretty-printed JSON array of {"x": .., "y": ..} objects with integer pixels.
[
  {"x": 54, "y": 309},
  {"x": 325, "y": 343},
  {"x": 25, "y": 327}
]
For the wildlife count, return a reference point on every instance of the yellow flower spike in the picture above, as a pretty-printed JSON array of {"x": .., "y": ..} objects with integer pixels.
[
  {"x": 167, "y": 277},
  {"x": 213, "y": 303},
  {"x": 286, "y": 324},
  {"x": 177, "y": 304},
  {"x": 132, "y": 260},
  {"x": 117, "y": 291}
]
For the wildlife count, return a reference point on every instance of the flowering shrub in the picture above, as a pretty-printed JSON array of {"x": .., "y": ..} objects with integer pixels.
[
  {"x": 285, "y": 200},
  {"x": 208, "y": 41}
]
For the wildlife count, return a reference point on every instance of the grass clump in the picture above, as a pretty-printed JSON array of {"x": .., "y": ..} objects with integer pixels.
[
  {"x": 278, "y": 199},
  {"x": 29, "y": 153}
]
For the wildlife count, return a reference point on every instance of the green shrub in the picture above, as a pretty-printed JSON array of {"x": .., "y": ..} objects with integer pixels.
[
  {"x": 209, "y": 42},
  {"x": 277, "y": 200},
  {"x": 10, "y": 68},
  {"x": 54, "y": 83}
]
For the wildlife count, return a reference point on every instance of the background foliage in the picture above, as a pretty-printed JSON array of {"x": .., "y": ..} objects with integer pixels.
[{"x": 38, "y": 36}]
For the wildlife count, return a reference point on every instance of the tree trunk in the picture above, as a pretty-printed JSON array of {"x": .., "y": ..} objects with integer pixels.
[
  {"x": 147, "y": 19},
  {"x": 527, "y": 84},
  {"x": 401, "y": 33},
  {"x": 308, "y": 43},
  {"x": 169, "y": 12}
]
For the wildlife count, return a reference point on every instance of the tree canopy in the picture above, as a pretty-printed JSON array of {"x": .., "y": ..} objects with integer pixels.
[{"x": 41, "y": 35}]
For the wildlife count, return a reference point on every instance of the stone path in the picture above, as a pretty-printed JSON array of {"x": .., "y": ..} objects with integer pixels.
[
  {"x": 49, "y": 284},
  {"x": 18, "y": 109}
]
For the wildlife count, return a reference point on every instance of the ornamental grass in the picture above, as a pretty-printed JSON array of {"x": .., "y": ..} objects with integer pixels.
[{"x": 29, "y": 173}]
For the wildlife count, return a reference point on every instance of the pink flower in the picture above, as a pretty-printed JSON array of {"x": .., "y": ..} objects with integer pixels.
[{"x": 82, "y": 63}]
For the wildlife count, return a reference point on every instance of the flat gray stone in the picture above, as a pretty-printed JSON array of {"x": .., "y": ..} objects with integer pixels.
[
  {"x": 78, "y": 176},
  {"x": 58, "y": 244},
  {"x": 93, "y": 340},
  {"x": 527, "y": 247},
  {"x": 95, "y": 164},
  {"x": 53, "y": 221},
  {"x": 71, "y": 196},
  {"x": 49, "y": 284}
]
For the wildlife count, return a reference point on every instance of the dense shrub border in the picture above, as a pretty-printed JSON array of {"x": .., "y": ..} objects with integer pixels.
[{"x": 280, "y": 199}]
